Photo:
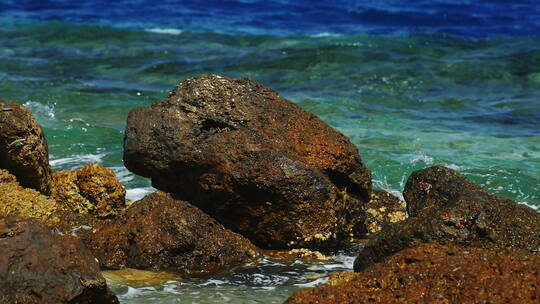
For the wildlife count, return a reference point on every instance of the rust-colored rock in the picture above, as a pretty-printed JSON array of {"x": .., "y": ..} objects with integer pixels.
[
  {"x": 383, "y": 209},
  {"x": 160, "y": 233},
  {"x": 447, "y": 208},
  {"x": 38, "y": 266},
  {"x": 433, "y": 273},
  {"x": 23, "y": 148},
  {"x": 253, "y": 160},
  {"x": 92, "y": 189}
]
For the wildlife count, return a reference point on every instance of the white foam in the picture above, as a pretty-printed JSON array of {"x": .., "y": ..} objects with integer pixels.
[
  {"x": 325, "y": 34},
  {"x": 138, "y": 193},
  {"x": 77, "y": 160},
  {"x": 428, "y": 160},
  {"x": 312, "y": 283},
  {"x": 40, "y": 109},
  {"x": 167, "y": 31},
  {"x": 537, "y": 208}
]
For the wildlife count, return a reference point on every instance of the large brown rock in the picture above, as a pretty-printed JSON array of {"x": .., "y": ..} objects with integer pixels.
[
  {"x": 433, "y": 273},
  {"x": 23, "y": 148},
  {"x": 253, "y": 160},
  {"x": 447, "y": 208},
  {"x": 92, "y": 189},
  {"x": 160, "y": 233},
  {"x": 38, "y": 266}
]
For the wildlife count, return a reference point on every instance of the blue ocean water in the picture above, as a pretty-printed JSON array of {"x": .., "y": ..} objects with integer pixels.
[{"x": 412, "y": 83}]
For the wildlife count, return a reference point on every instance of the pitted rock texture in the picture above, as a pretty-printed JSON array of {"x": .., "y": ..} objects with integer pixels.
[
  {"x": 383, "y": 209},
  {"x": 38, "y": 266},
  {"x": 253, "y": 160},
  {"x": 92, "y": 189},
  {"x": 23, "y": 148},
  {"x": 28, "y": 203},
  {"x": 161, "y": 233},
  {"x": 447, "y": 208},
  {"x": 434, "y": 273}
]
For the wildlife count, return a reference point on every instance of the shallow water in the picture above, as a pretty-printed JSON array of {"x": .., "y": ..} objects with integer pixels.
[{"x": 413, "y": 85}]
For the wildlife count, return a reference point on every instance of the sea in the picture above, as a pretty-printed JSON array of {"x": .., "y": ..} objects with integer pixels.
[{"x": 412, "y": 83}]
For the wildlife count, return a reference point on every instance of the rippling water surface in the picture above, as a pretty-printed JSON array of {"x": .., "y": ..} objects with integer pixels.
[{"x": 412, "y": 83}]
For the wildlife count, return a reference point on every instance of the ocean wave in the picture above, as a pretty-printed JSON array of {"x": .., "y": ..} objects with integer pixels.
[
  {"x": 167, "y": 31},
  {"x": 76, "y": 161},
  {"x": 41, "y": 110},
  {"x": 138, "y": 193}
]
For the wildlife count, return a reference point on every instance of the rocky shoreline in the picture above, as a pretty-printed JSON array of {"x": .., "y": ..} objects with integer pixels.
[{"x": 241, "y": 170}]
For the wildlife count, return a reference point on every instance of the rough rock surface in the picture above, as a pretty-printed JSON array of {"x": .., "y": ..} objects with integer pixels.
[
  {"x": 447, "y": 208},
  {"x": 160, "y": 233},
  {"x": 28, "y": 203},
  {"x": 433, "y": 273},
  {"x": 383, "y": 209},
  {"x": 92, "y": 189},
  {"x": 253, "y": 160},
  {"x": 23, "y": 148},
  {"x": 38, "y": 266}
]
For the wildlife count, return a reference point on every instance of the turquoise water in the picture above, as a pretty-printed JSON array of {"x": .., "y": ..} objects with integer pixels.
[{"x": 408, "y": 101}]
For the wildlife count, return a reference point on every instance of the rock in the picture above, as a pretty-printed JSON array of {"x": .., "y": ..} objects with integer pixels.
[
  {"x": 23, "y": 148},
  {"x": 383, "y": 209},
  {"x": 253, "y": 160},
  {"x": 38, "y": 266},
  {"x": 132, "y": 277},
  {"x": 300, "y": 253},
  {"x": 447, "y": 208},
  {"x": 433, "y": 273},
  {"x": 160, "y": 233},
  {"x": 92, "y": 189},
  {"x": 28, "y": 203}
]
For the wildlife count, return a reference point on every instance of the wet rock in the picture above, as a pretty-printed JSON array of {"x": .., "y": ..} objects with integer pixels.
[
  {"x": 23, "y": 148},
  {"x": 453, "y": 210},
  {"x": 92, "y": 189},
  {"x": 132, "y": 277},
  {"x": 253, "y": 160},
  {"x": 433, "y": 273},
  {"x": 160, "y": 233},
  {"x": 38, "y": 266},
  {"x": 383, "y": 209}
]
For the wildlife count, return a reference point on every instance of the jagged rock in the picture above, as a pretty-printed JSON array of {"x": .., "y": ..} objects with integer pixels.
[
  {"x": 38, "y": 266},
  {"x": 253, "y": 160},
  {"x": 28, "y": 203},
  {"x": 160, "y": 233},
  {"x": 92, "y": 189},
  {"x": 383, "y": 209},
  {"x": 447, "y": 208},
  {"x": 23, "y": 148},
  {"x": 433, "y": 273}
]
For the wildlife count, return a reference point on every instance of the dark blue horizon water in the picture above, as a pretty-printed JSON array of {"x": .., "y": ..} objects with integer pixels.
[
  {"x": 465, "y": 18},
  {"x": 412, "y": 83}
]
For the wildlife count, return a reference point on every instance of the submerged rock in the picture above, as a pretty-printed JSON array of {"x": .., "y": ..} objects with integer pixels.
[
  {"x": 253, "y": 160},
  {"x": 433, "y": 273},
  {"x": 38, "y": 266},
  {"x": 160, "y": 233},
  {"x": 23, "y": 148},
  {"x": 92, "y": 189},
  {"x": 383, "y": 209},
  {"x": 447, "y": 208}
]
